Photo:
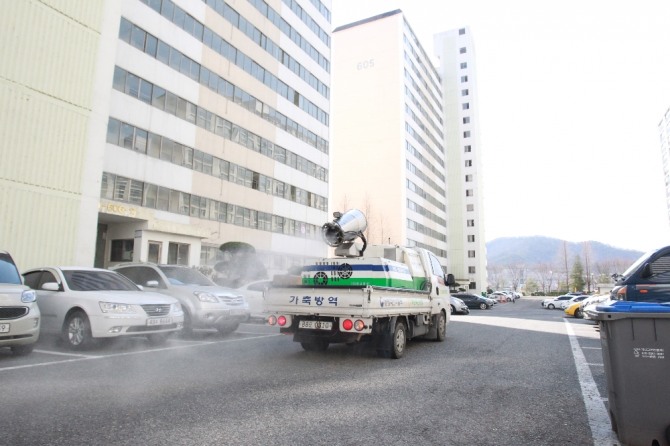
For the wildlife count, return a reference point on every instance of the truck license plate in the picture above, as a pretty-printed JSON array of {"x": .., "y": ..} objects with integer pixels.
[
  {"x": 316, "y": 325},
  {"x": 159, "y": 321},
  {"x": 4, "y": 328}
]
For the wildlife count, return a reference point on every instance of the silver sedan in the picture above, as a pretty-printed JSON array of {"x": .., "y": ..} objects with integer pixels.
[{"x": 82, "y": 304}]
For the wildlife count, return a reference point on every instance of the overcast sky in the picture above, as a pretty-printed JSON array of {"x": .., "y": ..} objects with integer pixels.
[{"x": 570, "y": 93}]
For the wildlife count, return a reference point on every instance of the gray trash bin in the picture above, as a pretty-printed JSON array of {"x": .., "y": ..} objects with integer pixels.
[{"x": 635, "y": 337}]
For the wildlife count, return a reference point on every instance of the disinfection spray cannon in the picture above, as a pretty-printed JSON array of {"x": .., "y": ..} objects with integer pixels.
[{"x": 343, "y": 231}]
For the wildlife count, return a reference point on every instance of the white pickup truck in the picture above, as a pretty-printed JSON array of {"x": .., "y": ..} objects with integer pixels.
[{"x": 386, "y": 297}]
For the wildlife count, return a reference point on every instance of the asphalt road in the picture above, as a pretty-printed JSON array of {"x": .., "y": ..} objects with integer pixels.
[{"x": 506, "y": 376}]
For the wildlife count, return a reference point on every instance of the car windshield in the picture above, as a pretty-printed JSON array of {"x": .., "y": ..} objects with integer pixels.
[
  {"x": 8, "y": 271},
  {"x": 82, "y": 280},
  {"x": 631, "y": 269},
  {"x": 178, "y": 275}
]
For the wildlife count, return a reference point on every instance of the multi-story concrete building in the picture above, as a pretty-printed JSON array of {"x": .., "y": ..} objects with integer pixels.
[
  {"x": 465, "y": 193},
  {"x": 388, "y": 157},
  {"x": 157, "y": 130},
  {"x": 664, "y": 133},
  {"x": 406, "y": 141}
]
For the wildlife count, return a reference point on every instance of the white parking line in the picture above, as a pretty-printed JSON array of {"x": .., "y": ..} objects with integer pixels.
[
  {"x": 49, "y": 352},
  {"x": 596, "y": 410},
  {"x": 114, "y": 355}
]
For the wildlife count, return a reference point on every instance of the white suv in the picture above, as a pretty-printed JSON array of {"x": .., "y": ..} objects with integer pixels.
[{"x": 19, "y": 314}]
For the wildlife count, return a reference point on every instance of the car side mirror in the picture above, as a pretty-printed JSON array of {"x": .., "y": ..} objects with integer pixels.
[
  {"x": 51, "y": 286},
  {"x": 450, "y": 280},
  {"x": 152, "y": 284}
]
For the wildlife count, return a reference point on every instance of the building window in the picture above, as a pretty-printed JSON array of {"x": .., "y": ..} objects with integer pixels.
[
  {"x": 470, "y": 207},
  {"x": 471, "y": 223},
  {"x": 464, "y": 65},
  {"x": 473, "y": 285},
  {"x": 468, "y": 149},
  {"x": 464, "y": 78},
  {"x": 471, "y": 238},
  {"x": 465, "y": 92},
  {"x": 468, "y": 163},
  {"x": 461, "y": 31},
  {"x": 466, "y": 106},
  {"x": 178, "y": 253},
  {"x": 471, "y": 254},
  {"x": 463, "y": 50},
  {"x": 466, "y": 134},
  {"x": 122, "y": 250},
  {"x": 471, "y": 270},
  {"x": 469, "y": 193},
  {"x": 466, "y": 120}
]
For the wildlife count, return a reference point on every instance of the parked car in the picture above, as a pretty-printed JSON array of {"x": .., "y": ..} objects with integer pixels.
[
  {"x": 574, "y": 299},
  {"x": 205, "y": 304},
  {"x": 499, "y": 296},
  {"x": 574, "y": 310},
  {"x": 253, "y": 293},
  {"x": 589, "y": 305},
  {"x": 458, "y": 306},
  {"x": 19, "y": 313},
  {"x": 556, "y": 302},
  {"x": 84, "y": 304},
  {"x": 474, "y": 301}
]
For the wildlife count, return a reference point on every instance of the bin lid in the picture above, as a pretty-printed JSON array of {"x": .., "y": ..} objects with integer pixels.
[
  {"x": 626, "y": 306},
  {"x": 623, "y": 309}
]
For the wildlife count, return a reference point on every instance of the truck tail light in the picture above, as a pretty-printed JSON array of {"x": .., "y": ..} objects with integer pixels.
[
  {"x": 272, "y": 320},
  {"x": 281, "y": 320},
  {"x": 347, "y": 324},
  {"x": 359, "y": 325}
]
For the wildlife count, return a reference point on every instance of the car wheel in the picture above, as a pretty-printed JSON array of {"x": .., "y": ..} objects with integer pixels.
[
  {"x": 453, "y": 310},
  {"x": 158, "y": 338},
  {"x": 483, "y": 306},
  {"x": 398, "y": 341},
  {"x": 77, "y": 331},
  {"x": 21, "y": 350},
  {"x": 315, "y": 345},
  {"x": 551, "y": 306},
  {"x": 579, "y": 313},
  {"x": 441, "y": 327},
  {"x": 225, "y": 329}
]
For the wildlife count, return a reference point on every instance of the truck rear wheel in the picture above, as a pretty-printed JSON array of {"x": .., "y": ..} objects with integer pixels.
[
  {"x": 394, "y": 345},
  {"x": 315, "y": 345}
]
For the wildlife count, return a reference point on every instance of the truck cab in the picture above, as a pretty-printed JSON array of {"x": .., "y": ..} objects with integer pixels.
[{"x": 646, "y": 280}]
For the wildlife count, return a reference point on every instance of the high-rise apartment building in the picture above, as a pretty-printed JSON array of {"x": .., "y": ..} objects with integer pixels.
[
  {"x": 664, "y": 133},
  {"x": 465, "y": 227},
  {"x": 157, "y": 130},
  {"x": 406, "y": 145},
  {"x": 388, "y": 157}
]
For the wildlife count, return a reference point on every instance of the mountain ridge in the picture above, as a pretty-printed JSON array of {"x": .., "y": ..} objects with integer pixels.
[{"x": 540, "y": 249}]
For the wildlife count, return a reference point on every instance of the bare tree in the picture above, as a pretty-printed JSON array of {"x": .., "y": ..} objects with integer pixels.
[
  {"x": 565, "y": 259},
  {"x": 516, "y": 273},
  {"x": 586, "y": 250},
  {"x": 545, "y": 275},
  {"x": 495, "y": 273}
]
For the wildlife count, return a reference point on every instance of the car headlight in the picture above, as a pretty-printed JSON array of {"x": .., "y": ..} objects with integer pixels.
[
  {"x": 206, "y": 297},
  {"x": 28, "y": 296},
  {"x": 176, "y": 308},
  {"x": 111, "y": 307}
]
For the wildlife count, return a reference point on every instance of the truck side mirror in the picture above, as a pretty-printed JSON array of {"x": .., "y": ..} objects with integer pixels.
[
  {"x": 646, "y": 271},
  {"x": 449, "y": 280}
]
